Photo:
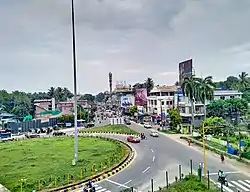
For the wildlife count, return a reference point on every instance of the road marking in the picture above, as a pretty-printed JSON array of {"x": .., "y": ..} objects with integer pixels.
[
  {"x": 117, "y": 183},
  {"x": 146, "y": 170},
  {"x": 246, "y": 184},
  {"x": 239, "y": 185},
  {"x": 153, "y": 158},
  {"x": 152, "y": 150},
  {"x": 225, "y": 188},
  {"x": 232, "y": 172},
  {"x": 125, "y": 183},
  {"x": 248, "y": 181}
]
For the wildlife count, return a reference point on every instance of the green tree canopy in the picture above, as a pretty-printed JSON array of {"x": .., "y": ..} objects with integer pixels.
[
  {"x": 220, "y": 108},
  {"x": 175, "y": 117}
]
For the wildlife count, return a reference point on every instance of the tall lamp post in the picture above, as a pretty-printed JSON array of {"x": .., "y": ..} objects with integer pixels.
[{"x": 75, "y": 87}]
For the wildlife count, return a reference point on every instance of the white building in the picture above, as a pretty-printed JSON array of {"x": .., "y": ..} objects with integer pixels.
[
  {"x": 164, "y": 97},
  {"x": 185, "y": 106},
  {"x": 227, "y": 94},
  {"x": 161, "y": 99}
]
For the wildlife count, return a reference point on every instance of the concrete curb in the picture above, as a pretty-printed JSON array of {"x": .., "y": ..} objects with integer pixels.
[{"x": 101, "y": 176}]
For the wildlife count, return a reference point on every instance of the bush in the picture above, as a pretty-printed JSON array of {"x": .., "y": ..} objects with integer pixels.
[{"x": 190, "y": 184}]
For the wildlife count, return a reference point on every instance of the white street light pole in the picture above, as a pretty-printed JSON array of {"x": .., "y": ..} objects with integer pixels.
[{"x": 75, "y": 87}]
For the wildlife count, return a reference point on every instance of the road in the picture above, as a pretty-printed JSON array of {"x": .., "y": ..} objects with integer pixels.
[{"x": 155, "y": 156}]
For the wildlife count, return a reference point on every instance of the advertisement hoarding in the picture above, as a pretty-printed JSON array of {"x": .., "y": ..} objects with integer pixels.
[
  {"x": 127, "y": 101},
  {"x": 185, "y": 69},
  {"x": 141, "y": 97}
]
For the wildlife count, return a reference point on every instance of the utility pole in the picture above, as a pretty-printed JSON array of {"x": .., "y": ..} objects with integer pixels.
[{"x": 75, "y": 85}]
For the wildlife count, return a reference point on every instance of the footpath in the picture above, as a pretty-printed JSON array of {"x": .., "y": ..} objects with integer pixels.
[{"x": 242, "y": 167}]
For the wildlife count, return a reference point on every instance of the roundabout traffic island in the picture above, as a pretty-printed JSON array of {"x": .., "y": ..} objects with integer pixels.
[
  {"x": 45, "y": 164},
  {"x": 111, "y": 129}
]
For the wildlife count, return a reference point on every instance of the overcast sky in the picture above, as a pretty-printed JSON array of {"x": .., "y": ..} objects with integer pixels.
[{"x": 134, "y": 39}]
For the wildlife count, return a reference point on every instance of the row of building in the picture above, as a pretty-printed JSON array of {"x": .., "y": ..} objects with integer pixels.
[
  {"x": 66, "y": 107},
  {"x": 162, "y": 98}
]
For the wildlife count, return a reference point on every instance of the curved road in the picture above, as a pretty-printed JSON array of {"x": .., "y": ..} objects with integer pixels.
[{"x": 155, "y": 156}]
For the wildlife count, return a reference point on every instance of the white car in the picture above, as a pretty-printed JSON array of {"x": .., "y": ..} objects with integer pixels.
[
  {"x": 147, "y": 125},
  {"x": 154, "y": 134}
]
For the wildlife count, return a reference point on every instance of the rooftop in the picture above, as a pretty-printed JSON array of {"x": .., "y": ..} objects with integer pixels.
[{"x": 164, "y": 88}]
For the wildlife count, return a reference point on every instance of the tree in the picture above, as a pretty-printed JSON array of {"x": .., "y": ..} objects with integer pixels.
[
  {"x": 100, "y": 97},
  {"x": 216, "y": 126},
  {"x": 133, "y": 110},
  {"x": 175, "y": 117},
  {"x": 51, "y": 92},
  {"x": 89, "y": 97},
  {"x": 243, "y": 81},
  {"x": 206, "y": 91},
  {"x": 223, "y": 108},
  {"x": 149, "y": 84},
  {"x": 190, "y": 89}
]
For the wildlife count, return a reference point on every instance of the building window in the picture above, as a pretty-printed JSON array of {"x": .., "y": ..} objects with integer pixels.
[
  {"x": 152, "y": 102},
  {"x": 162, "y": 103},
  {"x": 164, "y": 93},
  {"x": 222, "y": 97},
  {"x": 231, "y": 97},
  {"x": 170, "y": 102},
  {"x": 182, "y": 110},
  {"x": 171, "y": 93},
  {"x": 155, "y": 102},
  {"x": 167, "y": 102}
]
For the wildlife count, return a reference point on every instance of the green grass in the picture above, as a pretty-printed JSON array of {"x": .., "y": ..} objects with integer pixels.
[
  {"x": 47, "y": 162},
  {"x": 190, "y": 184},
  {"x": 111, "y": 128}
]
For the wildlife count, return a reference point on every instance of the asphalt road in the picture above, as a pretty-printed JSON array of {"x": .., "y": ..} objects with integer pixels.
[{"x": 155, "y": 156}]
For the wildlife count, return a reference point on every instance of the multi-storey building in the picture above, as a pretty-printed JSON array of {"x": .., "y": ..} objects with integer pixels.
[
  {"x": 44, "y": 105},
  {"x": 67, "y": 107},
  {"x": 161, "y": 99},
  {"x": 184, "y": 104}
]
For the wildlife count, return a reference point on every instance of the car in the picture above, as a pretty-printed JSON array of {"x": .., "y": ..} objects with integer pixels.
[
  {"x": 147, "y": 125},
  {"x": 58, "y": 133},
  {"x": 32, "y": 135},
  {"x": 133, "y": 139},
  {"x": 154, "y": 134},
  {"x": 91, "y": 124},
  {"x": 127, "y": 122}
]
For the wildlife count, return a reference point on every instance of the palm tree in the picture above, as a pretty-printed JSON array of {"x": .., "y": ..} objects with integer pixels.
[
  {"x": 149, "y": 84},
  {"x": 243, "y": 80},
  {"x": 190, "y": 89},
  {"x": 206, "y": 91},
  {"x": 51, "y": 92}
]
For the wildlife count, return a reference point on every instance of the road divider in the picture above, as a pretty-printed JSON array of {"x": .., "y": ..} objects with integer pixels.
[{"x": 102, "y": 175}]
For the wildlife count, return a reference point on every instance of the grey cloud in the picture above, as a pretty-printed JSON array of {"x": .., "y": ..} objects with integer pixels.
[{"x": 120, "y": 36}]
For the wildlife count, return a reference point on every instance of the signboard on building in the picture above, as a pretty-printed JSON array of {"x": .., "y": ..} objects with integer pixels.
[
  {"x": 185, "y": 69},
  {"x": 141, "y": 97},
  {"x": 127, "y": 101}
]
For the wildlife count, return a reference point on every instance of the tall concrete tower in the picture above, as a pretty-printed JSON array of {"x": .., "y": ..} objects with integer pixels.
[{"x": 110, "y": 82}]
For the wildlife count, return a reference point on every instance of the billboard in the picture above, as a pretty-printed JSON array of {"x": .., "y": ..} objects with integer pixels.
[
  {"x": 141, "y": 96},
  {"x": 127, "y": 101},
  {"x": 185, "y": 69}
]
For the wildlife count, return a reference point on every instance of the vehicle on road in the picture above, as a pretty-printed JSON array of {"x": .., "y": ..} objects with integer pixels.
[
  {"x": 133, "y": 139},
  {"x": 154, "y": 134},
  {"x": 5, "y": 136},
  {"x": 32, "y": 135},
  {"x": 91, "y": 124},
  {"x": 89, "y": 187},
  {"x": 58, "y": 133},
  {"x": 127, "y": 122},
  {"x": 147, "y": 125}
]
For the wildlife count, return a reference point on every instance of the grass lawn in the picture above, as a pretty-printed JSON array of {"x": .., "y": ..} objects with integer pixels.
[
  {"x": 191, "y": 184},
  {"x": 112, "y": 128},
  {"x": 47, "y": 162}
]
